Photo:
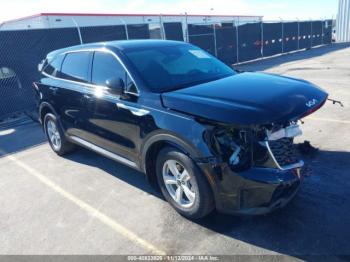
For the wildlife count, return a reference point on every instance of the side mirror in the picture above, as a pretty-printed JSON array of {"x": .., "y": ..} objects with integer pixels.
[{"x": 116, "y": 85}]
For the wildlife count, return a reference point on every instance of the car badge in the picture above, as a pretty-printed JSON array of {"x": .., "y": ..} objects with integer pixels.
[{"x": 311, "y": 103}]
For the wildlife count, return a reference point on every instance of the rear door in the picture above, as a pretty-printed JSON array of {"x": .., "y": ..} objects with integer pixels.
[
  {"x": 74, "y": 77},
  {"x": 49, "y": 86}
]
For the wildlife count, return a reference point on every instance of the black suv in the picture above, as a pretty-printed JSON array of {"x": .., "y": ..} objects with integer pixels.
[{"x": 209, "y": 136}]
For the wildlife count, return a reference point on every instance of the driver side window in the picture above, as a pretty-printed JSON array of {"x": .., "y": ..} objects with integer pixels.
[{"x": 105, "y": 66}]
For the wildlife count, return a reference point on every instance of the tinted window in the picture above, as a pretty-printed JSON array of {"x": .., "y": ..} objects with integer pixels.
[
  {"x": 53, "y": 67},
  {"x": 166, "y": 68},
  {"x": 105, "y": 66},
  {"x": 75, "y": 66}
]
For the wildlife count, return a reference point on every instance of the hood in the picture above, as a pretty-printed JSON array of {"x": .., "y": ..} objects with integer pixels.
[{"x": 248, "y": 98}]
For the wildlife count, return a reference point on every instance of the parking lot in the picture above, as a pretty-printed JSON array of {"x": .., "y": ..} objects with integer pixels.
[{"x": 84, "y": 203}]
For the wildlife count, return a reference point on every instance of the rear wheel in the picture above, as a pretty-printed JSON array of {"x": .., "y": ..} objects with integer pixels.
[
  {"x": 58, "y": 142},
  {"x": 183, "y": 185}
]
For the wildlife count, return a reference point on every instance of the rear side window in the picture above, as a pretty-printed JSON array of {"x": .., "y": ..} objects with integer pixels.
[
  {"x": 76, "y": 66},
  {"x": 105, "y": 66},
  {"x": 53, "y": 67}
]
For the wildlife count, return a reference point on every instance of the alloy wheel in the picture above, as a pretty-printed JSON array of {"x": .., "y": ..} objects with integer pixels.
[
  {"x": 178, "y": 183},
  {"x": 54, "y": 135}
]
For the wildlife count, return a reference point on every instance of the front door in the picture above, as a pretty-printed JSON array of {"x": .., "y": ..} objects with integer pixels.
[{"x": 114, "y": 122}]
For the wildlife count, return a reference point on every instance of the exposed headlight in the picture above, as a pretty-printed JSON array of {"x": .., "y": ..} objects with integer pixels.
[
  {"x": 234, "y": 146},
  {"x": 289, "y": 131}
]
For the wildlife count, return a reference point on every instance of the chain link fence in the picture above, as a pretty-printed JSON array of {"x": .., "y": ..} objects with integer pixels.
[
  {"x": 238, "y": 42},
  {"x": 231, "y": 41}
]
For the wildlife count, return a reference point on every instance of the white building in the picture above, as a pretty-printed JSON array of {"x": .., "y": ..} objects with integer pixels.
[
  {"x": 343, "y": 21},
  {"x": 63, "y": 20}
]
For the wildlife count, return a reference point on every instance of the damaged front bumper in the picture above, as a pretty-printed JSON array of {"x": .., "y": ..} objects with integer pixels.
[
  {"x": 269, "y": 182},
  {"x": 255, "y": 191}
]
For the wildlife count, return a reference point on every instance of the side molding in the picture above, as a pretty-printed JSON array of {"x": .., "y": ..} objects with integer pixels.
[{"x": 104, "y": 152}]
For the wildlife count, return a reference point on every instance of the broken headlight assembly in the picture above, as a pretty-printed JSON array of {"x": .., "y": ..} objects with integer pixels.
[
  {"x": 233, "y": 145},
  {"x": 274, "y": 146},
  {"x": 269, "y": 146}
]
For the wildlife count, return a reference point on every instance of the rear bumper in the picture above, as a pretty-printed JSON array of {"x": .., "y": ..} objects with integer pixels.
[{"x": 253, "y": 192}]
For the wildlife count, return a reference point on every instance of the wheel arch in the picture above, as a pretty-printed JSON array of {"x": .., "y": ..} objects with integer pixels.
[
  {"x": 155, "y": 143},
  {"x": 45, "y": 108}
]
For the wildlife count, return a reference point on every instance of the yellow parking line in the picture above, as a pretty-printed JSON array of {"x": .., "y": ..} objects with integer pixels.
[
  {"x": 328, "y": 120},
  {"x": 89, "y": 209}
]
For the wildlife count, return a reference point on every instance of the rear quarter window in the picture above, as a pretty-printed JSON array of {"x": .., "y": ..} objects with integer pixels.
[{"x": 53, "y": 66}]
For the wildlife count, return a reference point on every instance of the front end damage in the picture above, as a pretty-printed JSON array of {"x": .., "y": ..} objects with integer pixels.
[
  {"x": 251, "y": 121},
  {"x": 257, "y": 168}
]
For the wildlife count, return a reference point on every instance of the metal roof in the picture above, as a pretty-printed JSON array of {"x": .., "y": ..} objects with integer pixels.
[{"x": 109, "y": 14}]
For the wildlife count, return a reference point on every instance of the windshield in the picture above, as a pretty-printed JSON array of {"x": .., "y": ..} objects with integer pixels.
[{"x": 173, "y": 67}]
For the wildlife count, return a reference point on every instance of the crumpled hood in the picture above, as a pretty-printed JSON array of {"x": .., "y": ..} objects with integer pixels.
[{"x": 248, "y": 98}]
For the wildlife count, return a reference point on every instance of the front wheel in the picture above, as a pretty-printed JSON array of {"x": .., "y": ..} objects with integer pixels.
[{"x": 183, "y": 185}]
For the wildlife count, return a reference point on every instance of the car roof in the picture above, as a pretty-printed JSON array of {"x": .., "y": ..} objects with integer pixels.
[{"x": 120, "y": 45}]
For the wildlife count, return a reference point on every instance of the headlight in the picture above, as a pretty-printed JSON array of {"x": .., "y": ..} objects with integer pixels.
[
  {"x": 274, "y": 147},
  {"x": 234, "y": 146}
]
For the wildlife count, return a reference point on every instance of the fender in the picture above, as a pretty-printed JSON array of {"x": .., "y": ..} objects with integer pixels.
[
  {"x": 170, "y": 138},
  {"x": 46, "y": 104}
]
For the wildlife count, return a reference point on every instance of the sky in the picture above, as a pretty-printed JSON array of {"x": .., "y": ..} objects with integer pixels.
[{"x": 270, "y": 9}]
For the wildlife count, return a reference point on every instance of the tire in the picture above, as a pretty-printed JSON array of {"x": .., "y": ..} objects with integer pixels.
[
  {"x": 52, "y": 127},
  {"x": 193, "y": 204}
]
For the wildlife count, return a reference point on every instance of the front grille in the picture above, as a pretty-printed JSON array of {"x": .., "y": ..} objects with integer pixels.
[{"x": 284, "y": 151}]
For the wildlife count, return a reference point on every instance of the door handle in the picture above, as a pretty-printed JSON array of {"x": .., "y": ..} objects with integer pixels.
[
  {"x": 134, "y": 110},
  {"x": 88, "y": 97},
  {"x": 53, "y": 89}
]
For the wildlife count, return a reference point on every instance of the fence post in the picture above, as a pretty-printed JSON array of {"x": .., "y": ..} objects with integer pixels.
[
  {"x": 262, "y": 38},
  {"x": 298, "y": 34},
  {"x": 322, "y": 33},
  {"x": 215, "y": 49},
  {"x": 187, "y": 34},
  {"x": 234, "y": 26},
  {"x": 161, "y": 26},
  {"x": 331, "y": 25},
  {"x": 126, "y": 27},
  {"x": 311, "y": 34},
  {"x": 237, "y": 40},
  {"x": 282, "y": 35},
  {"x": 78, "y": 28}
]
